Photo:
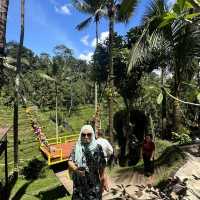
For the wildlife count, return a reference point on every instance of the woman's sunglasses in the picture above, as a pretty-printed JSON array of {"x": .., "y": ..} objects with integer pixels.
[{"x": 86, "y": 134}]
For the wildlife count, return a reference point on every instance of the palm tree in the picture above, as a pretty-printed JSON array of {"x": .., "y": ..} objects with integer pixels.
[
  {"x": 181, "y": 38},
  {"x": 16, "y": 93},
  {"x": 116, "y": 11},
  {"x": 95, "y": 10}
]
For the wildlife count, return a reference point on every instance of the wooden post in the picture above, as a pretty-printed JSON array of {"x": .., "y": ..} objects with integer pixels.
[{"x": 6, "y": 169}]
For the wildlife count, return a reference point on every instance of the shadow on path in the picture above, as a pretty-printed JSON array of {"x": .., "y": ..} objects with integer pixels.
[{"x": 52, "y": 194}]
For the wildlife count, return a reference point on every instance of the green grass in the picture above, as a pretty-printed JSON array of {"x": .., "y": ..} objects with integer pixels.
[
  {"x": 45, "y": 188},
  {"x": 29, "y": 149}
]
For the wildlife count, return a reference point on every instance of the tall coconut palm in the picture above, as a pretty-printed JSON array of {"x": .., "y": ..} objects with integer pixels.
[
  {"x": 113, "y": 13},
  {"x": 95, "y": 10},
  {"x": 116, "y": 12},
  {"x": 16, "y": 94},
  {"x": 181, "y": 36}
]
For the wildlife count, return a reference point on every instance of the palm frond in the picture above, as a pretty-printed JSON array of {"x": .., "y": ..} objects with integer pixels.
[
  {"x": 87, "y": 6},
  {"x": 82, "y": 6},
  {"x": 127, "y": 9},
  {"x": 195, "y": 3},
  {"x": 186, "y": 37},
  {"x": 100, "y": 12},
  {"x": 84, "y": 23},
  {"x": 152, "y": 51},
  {"x": 137, "y": 49},
  {"x": 155, "y": 8}
]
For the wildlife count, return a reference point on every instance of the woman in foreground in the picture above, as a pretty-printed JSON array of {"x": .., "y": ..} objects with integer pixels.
[{"x": 87, "y": 164}]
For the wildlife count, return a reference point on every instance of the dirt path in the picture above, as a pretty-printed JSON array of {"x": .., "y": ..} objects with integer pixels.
[
  {"x": 127, "y": 176},
  {"x": 190, "y": 170}
]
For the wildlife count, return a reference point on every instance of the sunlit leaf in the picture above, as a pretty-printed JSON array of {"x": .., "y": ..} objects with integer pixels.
[
  {"x": 10, "y": 60},
  {"x": 198, "y": 97},
  {"x": 46, "y": 77},
  {"x": 25, "y": 61},
  {"x": 160, "y": 98},
  {"x": 191, "y": 16},
  {"x": 181, "y": 4}
]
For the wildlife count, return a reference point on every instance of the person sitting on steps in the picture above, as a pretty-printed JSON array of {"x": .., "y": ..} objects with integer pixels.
[{"x": 40, "y": 135}]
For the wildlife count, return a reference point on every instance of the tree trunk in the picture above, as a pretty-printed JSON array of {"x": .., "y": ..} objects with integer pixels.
[
  {"x": 3, "y": 20},
  {"x": 176, "y": 105},
  {"x": 111, "y": 81},
  {"x": 16, "y": 94},
  {"x": 56, "y": 88},
  {"x": 163, "y": 109},
  {"x": 71, "y": 99},
  {"x": 95, "y": 84}
]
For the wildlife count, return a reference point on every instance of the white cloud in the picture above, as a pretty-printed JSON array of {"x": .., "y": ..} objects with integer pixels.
[
  {"x": 84, "y": 40},
  {"x": 102, "y": 38},
  {"x": 93, "y": 44},
  {"x": 87, "y": 57},
  {"x": 63, "y": 9}
]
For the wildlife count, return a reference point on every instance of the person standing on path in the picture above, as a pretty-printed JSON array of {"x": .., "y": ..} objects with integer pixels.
[
  {"x": 148, "y": 149},
  {"x": 87, "y": 164},
  {"x": 105, "y": 144}
]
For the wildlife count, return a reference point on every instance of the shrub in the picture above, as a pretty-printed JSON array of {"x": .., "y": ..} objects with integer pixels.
[
  {"x": 182, "y": 138},
  {"x": 52, "y": 117}
]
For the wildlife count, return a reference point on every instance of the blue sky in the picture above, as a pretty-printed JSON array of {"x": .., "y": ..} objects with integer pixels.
[{"x": 52, "y": 22}]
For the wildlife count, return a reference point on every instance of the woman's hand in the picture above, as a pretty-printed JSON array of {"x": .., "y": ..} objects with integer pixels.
[
  {"x": 80, "y": 172},
  {"x": 104, "y": 184},
  {"x": 152, "y": 158}
]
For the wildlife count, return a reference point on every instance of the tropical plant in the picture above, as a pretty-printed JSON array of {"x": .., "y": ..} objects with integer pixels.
[{"x": 179, "y": 38}]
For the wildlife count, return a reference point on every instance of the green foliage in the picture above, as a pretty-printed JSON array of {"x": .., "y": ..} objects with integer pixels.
[
  {"x": 60, "y": 116},
  {"x": 183, "y": 137},
  {"x": 100, "y": 69},
  {"x": 38, "y": 72}
]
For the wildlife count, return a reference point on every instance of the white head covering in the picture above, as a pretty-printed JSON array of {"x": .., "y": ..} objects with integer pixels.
[{"x": 79, "y": 155}]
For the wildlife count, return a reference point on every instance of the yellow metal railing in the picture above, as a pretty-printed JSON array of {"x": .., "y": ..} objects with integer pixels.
[
  {"x": 59, "y": 151},
  {"x": 63, "y": 139}
]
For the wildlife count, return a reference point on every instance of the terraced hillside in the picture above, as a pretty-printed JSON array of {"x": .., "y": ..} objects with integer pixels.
[{"x": 29, "y": 149}]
